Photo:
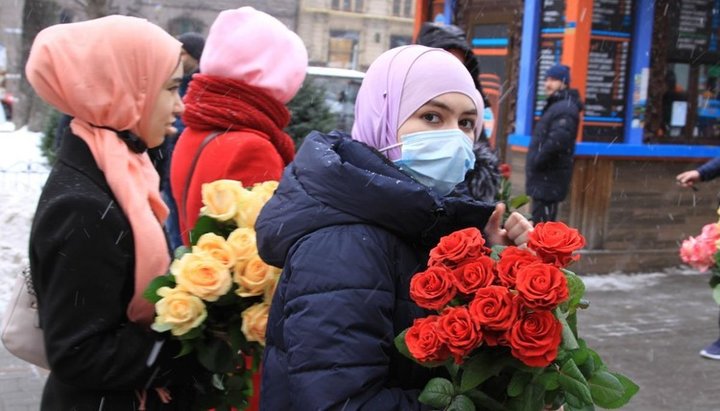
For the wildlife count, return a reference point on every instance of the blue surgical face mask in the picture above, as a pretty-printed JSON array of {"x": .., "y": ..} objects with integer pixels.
[{"x": 438, "y": 159}]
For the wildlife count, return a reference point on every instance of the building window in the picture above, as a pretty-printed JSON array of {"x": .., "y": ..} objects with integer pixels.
[
  {"x": 683, "y": 101},
  {"x": 402, "y": 8},
  {"x": 348, "y": 5},
  {"x": 343, "y": 49},
  {"x": 397, "y": 41}
]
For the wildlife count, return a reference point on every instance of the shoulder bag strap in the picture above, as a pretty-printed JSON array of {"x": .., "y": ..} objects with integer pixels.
[{"x": 204, "y": 143}]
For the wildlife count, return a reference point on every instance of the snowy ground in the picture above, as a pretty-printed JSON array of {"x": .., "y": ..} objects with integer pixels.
[{"x": 23, "y": 171}]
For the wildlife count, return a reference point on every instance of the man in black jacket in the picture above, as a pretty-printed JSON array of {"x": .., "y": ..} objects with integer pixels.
[{"x": 549, "y": 164}]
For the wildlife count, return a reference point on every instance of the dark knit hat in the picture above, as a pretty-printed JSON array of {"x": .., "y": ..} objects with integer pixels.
[
  {"x": 193, "y": 44},
  {"x": 559, "y": 72}
]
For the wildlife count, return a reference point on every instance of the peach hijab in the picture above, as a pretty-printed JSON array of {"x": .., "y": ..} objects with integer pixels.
[{"x": 108, "y": 72}]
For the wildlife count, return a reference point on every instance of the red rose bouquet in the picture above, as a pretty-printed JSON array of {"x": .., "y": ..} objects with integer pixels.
[{"x": 505, "y": 327}]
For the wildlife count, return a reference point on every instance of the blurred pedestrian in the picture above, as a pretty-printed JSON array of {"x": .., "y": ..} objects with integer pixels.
[
  {"x": 706, "y": 172},
  {"x": 97, "y": 238},
  {"x": 251, "y": 66},
  {"x": 353, "y": 219},
  {"x": 549, "y": 162},
  {"x": 483, "y": 181}
]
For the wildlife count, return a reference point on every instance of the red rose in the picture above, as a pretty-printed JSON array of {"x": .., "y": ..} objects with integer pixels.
[
  {"x": 541, "y": 286},
  {"x": 494, "y": 308},
  {"x": 535, "y": 338},
  {"x": 493, "y": 338},
  {"x": 425, "y": 340},
  {"x": 554, "y": 243},
  {"x": 505, "y": 170},
  {"x": 511, "y": 260},
  {"x": 459, "y": 332},
  {"x": 458, "y": 246},
  {"x": 471, "y": 276},
  {"x": 433, "y": 288}
]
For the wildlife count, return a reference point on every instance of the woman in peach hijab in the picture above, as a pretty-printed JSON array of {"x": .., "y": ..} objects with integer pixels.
[{"x": 97, "y": 237}]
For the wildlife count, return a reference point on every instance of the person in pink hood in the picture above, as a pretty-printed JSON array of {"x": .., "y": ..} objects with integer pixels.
[
  {"x": 251, "y": 66},
  {"x": 97, "y": 238}
]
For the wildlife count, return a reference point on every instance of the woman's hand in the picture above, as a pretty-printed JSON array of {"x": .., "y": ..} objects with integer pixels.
[{"x": 516, "y": 230}]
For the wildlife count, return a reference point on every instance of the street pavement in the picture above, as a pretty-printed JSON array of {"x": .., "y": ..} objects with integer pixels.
[{"x": 649, "y": 327}]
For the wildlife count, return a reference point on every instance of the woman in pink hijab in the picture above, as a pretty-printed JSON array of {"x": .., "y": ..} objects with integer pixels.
[{"x": 97, "y": 237}]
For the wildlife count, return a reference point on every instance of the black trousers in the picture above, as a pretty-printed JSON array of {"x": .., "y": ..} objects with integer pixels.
[{"x": 543, "y": 211}]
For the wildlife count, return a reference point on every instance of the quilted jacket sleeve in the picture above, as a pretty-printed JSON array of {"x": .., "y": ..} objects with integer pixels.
[
  {"x": 710, "y": 170},
  {"x": 339, "y": 330}
]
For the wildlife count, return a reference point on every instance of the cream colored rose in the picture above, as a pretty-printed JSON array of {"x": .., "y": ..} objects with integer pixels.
[
  {"x": 270, "y": 289},
  {"x": 254, "y": 322},
  {"x": 178, "y": 311},
  {"x": 243, "y": 242},
  {"x": 216, "y": 247},
  {"x": 248, "y": 209},
  {"x": 222, "y": 198},
  {"x": 265, "y": 189},
  {"x": 254, "y": 277},
  {"x": 201, "y": 275}
]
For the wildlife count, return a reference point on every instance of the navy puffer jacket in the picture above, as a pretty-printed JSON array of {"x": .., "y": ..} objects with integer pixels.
[
  {"x": 350, "y": 230},
  {"x": 549, "y": 163}
]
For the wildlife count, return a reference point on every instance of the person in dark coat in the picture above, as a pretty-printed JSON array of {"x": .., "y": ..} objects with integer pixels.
[
  {"x": 706, "y": 172},
  {"x": 549, "y": 163},
  {"x": 97, "y": 240},
  {"x": 483, "y": 181},
  {"x": 353, "y": 219}
]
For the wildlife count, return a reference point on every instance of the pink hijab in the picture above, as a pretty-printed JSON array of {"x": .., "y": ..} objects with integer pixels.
[
  {"x": 401, "y": 81},
  {"x": 109, "y": 72}
]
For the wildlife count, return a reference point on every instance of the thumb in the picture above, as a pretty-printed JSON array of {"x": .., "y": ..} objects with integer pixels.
[{"x": 493, "y": 224}]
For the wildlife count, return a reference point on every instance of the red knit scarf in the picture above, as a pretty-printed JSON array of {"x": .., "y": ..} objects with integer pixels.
[{"x": 217, "y": 103}]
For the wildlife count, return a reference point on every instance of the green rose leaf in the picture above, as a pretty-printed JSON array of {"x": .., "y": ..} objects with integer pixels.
[
  {"x": 216, "y": 356},
  {"x": 716, "y": 294},
  {"x": 576, "y": 287},
  {"x": 181, "y": 251},
  {"x": 402, "y": 346},
  {"x": 517, "y": 383},
  {"x": 569, "y": 342},
  {"x": 461, "y": 403},
  {"x": 206, "y": 225},
  {"x": 549, "y": 379},
  {"x": 605, "y": 388},
  {"x": 150, "y": 292},
  {"x": 438, "y": 393},
  {"x": 485, "y": 402},
  {"x": 496, "y": 250},
  {"x": 574, "y": 383},
  {"x": 479, "y": 368},
  {"x": 715, "y": 277},
  {"x": 519, "y": 201},
  {"x": 629, "y": 390},
  {"x": 531, "y": 399}
]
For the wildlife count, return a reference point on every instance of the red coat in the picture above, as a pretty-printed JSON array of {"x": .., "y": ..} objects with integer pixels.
[{"x": 245, "y": 155}]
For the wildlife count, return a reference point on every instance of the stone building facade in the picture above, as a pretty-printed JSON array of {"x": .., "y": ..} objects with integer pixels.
[
  {"x": 352, "y": 33},
  {"x": 337, "y": 33}
]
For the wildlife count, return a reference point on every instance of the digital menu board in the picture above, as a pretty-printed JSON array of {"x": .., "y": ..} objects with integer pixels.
[{"x": 608, "y": 62}]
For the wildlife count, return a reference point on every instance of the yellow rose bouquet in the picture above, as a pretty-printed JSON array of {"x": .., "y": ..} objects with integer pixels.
[{"x": 216, "y": 298}]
